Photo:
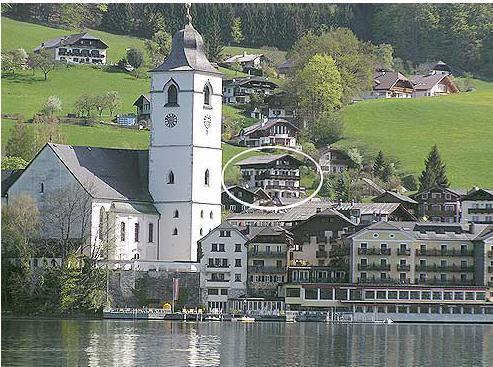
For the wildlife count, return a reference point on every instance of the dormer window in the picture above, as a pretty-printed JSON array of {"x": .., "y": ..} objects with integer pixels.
[
  {"x": 207, "y": 95},
  {"x": 206, "y": 178}
]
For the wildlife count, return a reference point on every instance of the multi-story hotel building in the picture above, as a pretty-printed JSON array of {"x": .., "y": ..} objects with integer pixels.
[
  {"x": 278, "y": 175},
  {"x": 267, "y": 261},
  {"x": 477, "y": 207}
]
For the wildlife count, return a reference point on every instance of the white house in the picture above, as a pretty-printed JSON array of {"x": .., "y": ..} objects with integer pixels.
[
  {"x": 333, "y": 160},
  {"x": 477, "y": 207},
  {"x": 82, "y": 48},
  {"x": 274, "y": 131},
  {"x": 239, "y": 90},
  {"x": 223, "y": 266},
  {"x": 436, "y": 83},
  {"x": 253, "y": 61},
  {"x": 154, "y": 204}
]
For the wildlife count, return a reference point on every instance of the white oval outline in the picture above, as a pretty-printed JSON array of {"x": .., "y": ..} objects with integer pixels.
[{"x": 273, "y": 208}]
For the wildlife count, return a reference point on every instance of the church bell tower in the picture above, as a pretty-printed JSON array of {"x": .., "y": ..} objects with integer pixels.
[{"x": 185, "y": 151}]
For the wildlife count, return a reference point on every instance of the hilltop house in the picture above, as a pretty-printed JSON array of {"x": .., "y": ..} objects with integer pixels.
[
  {"x": 269, "y": 132},
  {"x": 333, "y": 160},
  {"x": 246, "y": 61},
  {"x": 477, "y": 207},
  {"x": 436, "y": 83},
  {"x": 440, "y": 204},
  {"x": 285, "y": 68},
  {"x": 395, "y": 197},
  {"x": 143, "y": 105},
  {"x": 239, "y": 90},
  {"x": 278, "y": 175},
  {"x": 280, "y": 105},
  {"x": 82, "y": 48},
  {"x": 390, "y": 84},
  {"x": 251, "y": 196}
]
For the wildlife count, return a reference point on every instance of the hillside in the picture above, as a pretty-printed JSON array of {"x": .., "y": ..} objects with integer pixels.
[{"x": 461, "y": 125}]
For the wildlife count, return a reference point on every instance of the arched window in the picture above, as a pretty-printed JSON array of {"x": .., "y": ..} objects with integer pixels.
[
  {"x": 122, "y": 231},
  {"x": 175, "y": 232},
  {"x": 207, "y": 95},
  {"x": 53, "y": 263},
  {"x": 172, "y": 95},
  {"x": 136, "y": 256},
  {"x": 201, "y": 231},
  {"x": 171, "y": 178},
  {"x": 101, "y": 223},
  {"x": 206, "y": 177},
  {"x": 211, "y": 215},
  {"x": 201, "y": 214},
  {"x": 176, "y": 214}
]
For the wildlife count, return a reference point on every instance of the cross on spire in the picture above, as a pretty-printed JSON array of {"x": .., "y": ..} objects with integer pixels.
[{"x": 188, "y": 17}]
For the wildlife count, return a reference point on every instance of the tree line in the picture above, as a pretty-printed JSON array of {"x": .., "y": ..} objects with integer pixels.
[{"x": 460, "y": 34}]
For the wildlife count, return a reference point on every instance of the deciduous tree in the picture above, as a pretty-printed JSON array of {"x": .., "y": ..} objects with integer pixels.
[
  {"x": 159, "y": 47},
  {"x": 45, "y": 62}
]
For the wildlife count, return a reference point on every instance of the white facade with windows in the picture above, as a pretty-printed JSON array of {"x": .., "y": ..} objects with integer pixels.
[{"x": 223, "y": 267}]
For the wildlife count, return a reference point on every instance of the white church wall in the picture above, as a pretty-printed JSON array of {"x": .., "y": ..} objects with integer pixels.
[{"x": 175, "y": 247}]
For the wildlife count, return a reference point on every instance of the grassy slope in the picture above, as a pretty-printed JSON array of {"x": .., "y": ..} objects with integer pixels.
[{"x": 461, "y": 125}]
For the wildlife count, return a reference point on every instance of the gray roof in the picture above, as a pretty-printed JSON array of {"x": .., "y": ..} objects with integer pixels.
[
  {"x": 114, "y": 174},
  {"x": 134, "y": 208},
  {"x": 306, "y": 210},
  {"x": 67, "y": 40},
  {"x": 369, "y": 208},
  {"x": 242, "y": 58},
  {"x": 385, "y": 80},
  {"x": 9, "y": 176},
  {"x": 225, "y": 225},
  {"x": 187, "y": 53},
  {"x": 397, "y": 195},
  {"x": 264, "y": 125},
  {"x": 250, "y": 79}
]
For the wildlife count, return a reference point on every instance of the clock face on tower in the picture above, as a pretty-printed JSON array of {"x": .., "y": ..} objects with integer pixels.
[{"x": 170, "y": 120}]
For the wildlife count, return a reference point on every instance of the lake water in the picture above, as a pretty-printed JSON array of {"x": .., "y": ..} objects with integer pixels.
[{"x": 169, "y": 343}]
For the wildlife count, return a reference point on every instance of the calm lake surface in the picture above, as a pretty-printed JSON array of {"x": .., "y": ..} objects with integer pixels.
[{"x": 167, "y": 343}]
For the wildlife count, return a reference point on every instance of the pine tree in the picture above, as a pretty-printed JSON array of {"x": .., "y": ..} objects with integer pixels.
[
  {"x": 214, "y": 43},
  {"x": 236, "y": 33},
  {"x": 434, "y": 173},
  {"x": 378, "y": 164}
]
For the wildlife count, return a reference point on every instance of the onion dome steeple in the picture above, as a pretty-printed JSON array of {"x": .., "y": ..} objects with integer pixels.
[{"x": 187, "y": 51}]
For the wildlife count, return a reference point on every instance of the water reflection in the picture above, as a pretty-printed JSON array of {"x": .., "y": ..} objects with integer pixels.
[{"x": 156, "y": 343}]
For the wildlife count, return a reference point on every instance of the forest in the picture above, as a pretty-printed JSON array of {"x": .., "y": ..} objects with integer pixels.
[{"x": 459, "y": 34}]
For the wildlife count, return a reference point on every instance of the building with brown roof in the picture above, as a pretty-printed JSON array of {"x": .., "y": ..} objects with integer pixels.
[
  {"x": 276, "y": 131},
  {"x": 390, "y": 84},
  {"x": 436, "y": 83}
]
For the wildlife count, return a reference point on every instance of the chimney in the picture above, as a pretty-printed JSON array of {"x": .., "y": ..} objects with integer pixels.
[{"x": 472, "y": 227}]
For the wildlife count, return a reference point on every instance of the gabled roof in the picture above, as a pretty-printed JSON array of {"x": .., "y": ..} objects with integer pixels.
[
  {"x": 265, "y": 125},
  {"x": 458, "y": 192},
  {"x": 485, "y": 234},
  {"x": 271, "y": 231},
  {"x": 67, "y": 40},
  {"x": 384, "y": 80},
  {"x": 397, "y": 195},
  {"x": 265, "y": 159},
  {"x": 242, "y": 58},
  {"x": 249, "y": 79},
  {"x": 105, "y": 173},
  {"x": 225, "y": 225},
  {"x": 369, "y": 208},
  {"x": 187, "y": 53},
  {"x": 426, "y": 82},
  {"x": 485, "y": 194},
  {"x": 405, "y": 227},
  {"x": 146, "y": 96}
]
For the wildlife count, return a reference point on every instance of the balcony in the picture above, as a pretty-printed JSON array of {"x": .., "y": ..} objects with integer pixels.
[
  {"x": 404, "y": 267},
  {"x": 490, "y": 254},
  {"x": 374, "y": 280},
  {"x": 374, "y": 251},
  {"x": 321, "y": 254},
  {"x": 274, "y": 176},
  {"x": 447, "y": 268},
  {"x": 437, "y": 281},
  {"x": 381, "y": 267},
  {"x": 218, "y": 280},
  {"x": 404, "y": 252},
  {"x": 270, "y": 254},
  {"x": 480, "y": 210},
  {"x": 289, "y": 188},
  {"x": 216, "y": 266},
  {"x": 440, "y": 252},
  {"x": 266, "y": 269}
]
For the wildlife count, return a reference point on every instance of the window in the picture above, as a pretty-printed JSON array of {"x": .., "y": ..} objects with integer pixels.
[
  {"x": 137, "y": 256},
  {"x": 238, "y": 263},
  {"x": 136, "y": 233},
  {"x": 224, "y": 233},
  {"x": 311, "y": 293},
  {"x": 206, "y": 177},
  {"x": 201, "y": 232},
  {"x": 238, "y": 247},
  {"x": 172, "y": 95},
  {"x": 41, "y": 188},
  {"x": 122, "y": 231},
  {"x": 237, "y": 277},
  {"x": 101, "y": 223},
  {"x": 214, "y": 247},
  {"x": 213, "y": 292},
  {"x": 211, "y": 215},
  {"x": 221, "y": 247},
  {"x": 201, "y": 214},
  {"x": 293, "y": 292},
  {"x": 224, "y": 292},
  {"x": 176, "y": 214},
  {"x": 151, "y": 232},
  {"x": 171, "y": 178},
  {"x": 207, "y": 95},
  {"x": 175, "y": 232}
]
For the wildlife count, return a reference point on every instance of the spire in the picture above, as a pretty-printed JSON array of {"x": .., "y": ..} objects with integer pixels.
[{"x": 188, "y": 17}]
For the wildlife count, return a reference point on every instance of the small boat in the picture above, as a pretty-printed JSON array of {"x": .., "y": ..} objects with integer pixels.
[
  {"x": 247, "y": 319},
  {"x": 212, "y": 318},
  {"x": 386, "y": 321}
]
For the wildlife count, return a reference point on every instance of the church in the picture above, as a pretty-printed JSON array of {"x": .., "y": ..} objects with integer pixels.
[{"x": 157, "y": 203}]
